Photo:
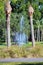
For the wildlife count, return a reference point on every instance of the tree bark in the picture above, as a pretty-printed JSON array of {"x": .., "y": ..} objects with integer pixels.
[
  {"x": 42, "y": 35},
  {"x": 35, "y": 35},
  {"x": 8, "y": 30},
  {"x": 38, "y": 34},
  {"x": 32, "y": 31}
]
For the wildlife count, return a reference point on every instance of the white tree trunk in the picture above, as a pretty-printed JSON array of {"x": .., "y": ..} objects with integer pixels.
[
  {"x": 32, "y": 31},
  {"x": 8, "y": 30}
]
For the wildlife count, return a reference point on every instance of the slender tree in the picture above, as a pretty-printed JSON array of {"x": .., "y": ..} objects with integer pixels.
[
  {"x": 8, "y": 13},
  {"x": 31, "y": 10},
  {"x": 42, "y": 29}
]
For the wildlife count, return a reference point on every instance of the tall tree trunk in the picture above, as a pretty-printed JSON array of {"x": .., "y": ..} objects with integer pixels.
[
  {"x": 42, "y": 35},
  {"x": 32, "y": 31},
  {"x": 35, "y": 34},
  {"x": 38, "y": 34},
  {"x": 8, "y": 30}
]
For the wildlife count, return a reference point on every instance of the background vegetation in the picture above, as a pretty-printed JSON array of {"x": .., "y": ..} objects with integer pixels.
[{"x": 19, "y": 8}]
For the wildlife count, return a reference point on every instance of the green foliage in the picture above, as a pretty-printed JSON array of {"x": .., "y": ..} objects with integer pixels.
[
  {"x": 14, "y": 1},
  {"x": 41, "y": 1},
  {"x": 19, "y": 8}
]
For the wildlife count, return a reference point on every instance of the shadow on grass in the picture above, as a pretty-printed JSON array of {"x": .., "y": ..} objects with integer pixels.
[{"x": 31, "y": 64}]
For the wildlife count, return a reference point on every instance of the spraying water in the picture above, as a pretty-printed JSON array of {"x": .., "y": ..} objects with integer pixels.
[
  {"x": 21, "y": 24},
  {"x": 21, "y": 37}
]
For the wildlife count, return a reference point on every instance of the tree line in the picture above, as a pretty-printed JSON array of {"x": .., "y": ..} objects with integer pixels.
[{"x": 19, "y": 8}]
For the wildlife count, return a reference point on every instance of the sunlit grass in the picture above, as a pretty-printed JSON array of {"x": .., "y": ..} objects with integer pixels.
[
  {"x": 26, "y": 50},
  {"x": 18, "y": 63}
]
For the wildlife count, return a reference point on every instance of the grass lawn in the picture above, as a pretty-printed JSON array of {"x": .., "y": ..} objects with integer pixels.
[
  {"x": 21, "y": 63},
  {"x": 26, "y": 51}
]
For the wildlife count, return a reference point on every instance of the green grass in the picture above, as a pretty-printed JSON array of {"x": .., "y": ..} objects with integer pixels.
[{"x": 16, "y": 63}]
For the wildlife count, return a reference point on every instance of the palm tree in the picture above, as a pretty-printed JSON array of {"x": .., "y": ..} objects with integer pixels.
[
  {"x": 8, "y": 12},
  {"x": 31, "y": 10},
  {"x": 41, "y": 29},
  {"x": 38, "y": 29}
]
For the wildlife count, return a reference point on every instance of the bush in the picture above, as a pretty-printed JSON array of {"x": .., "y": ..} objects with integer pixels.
[{"x": 16, "y": 51}]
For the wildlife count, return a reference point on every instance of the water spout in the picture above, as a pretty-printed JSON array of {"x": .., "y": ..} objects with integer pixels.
[
  {"x": 20, "y": 37},
  {"x": 21, "y": 24}
]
